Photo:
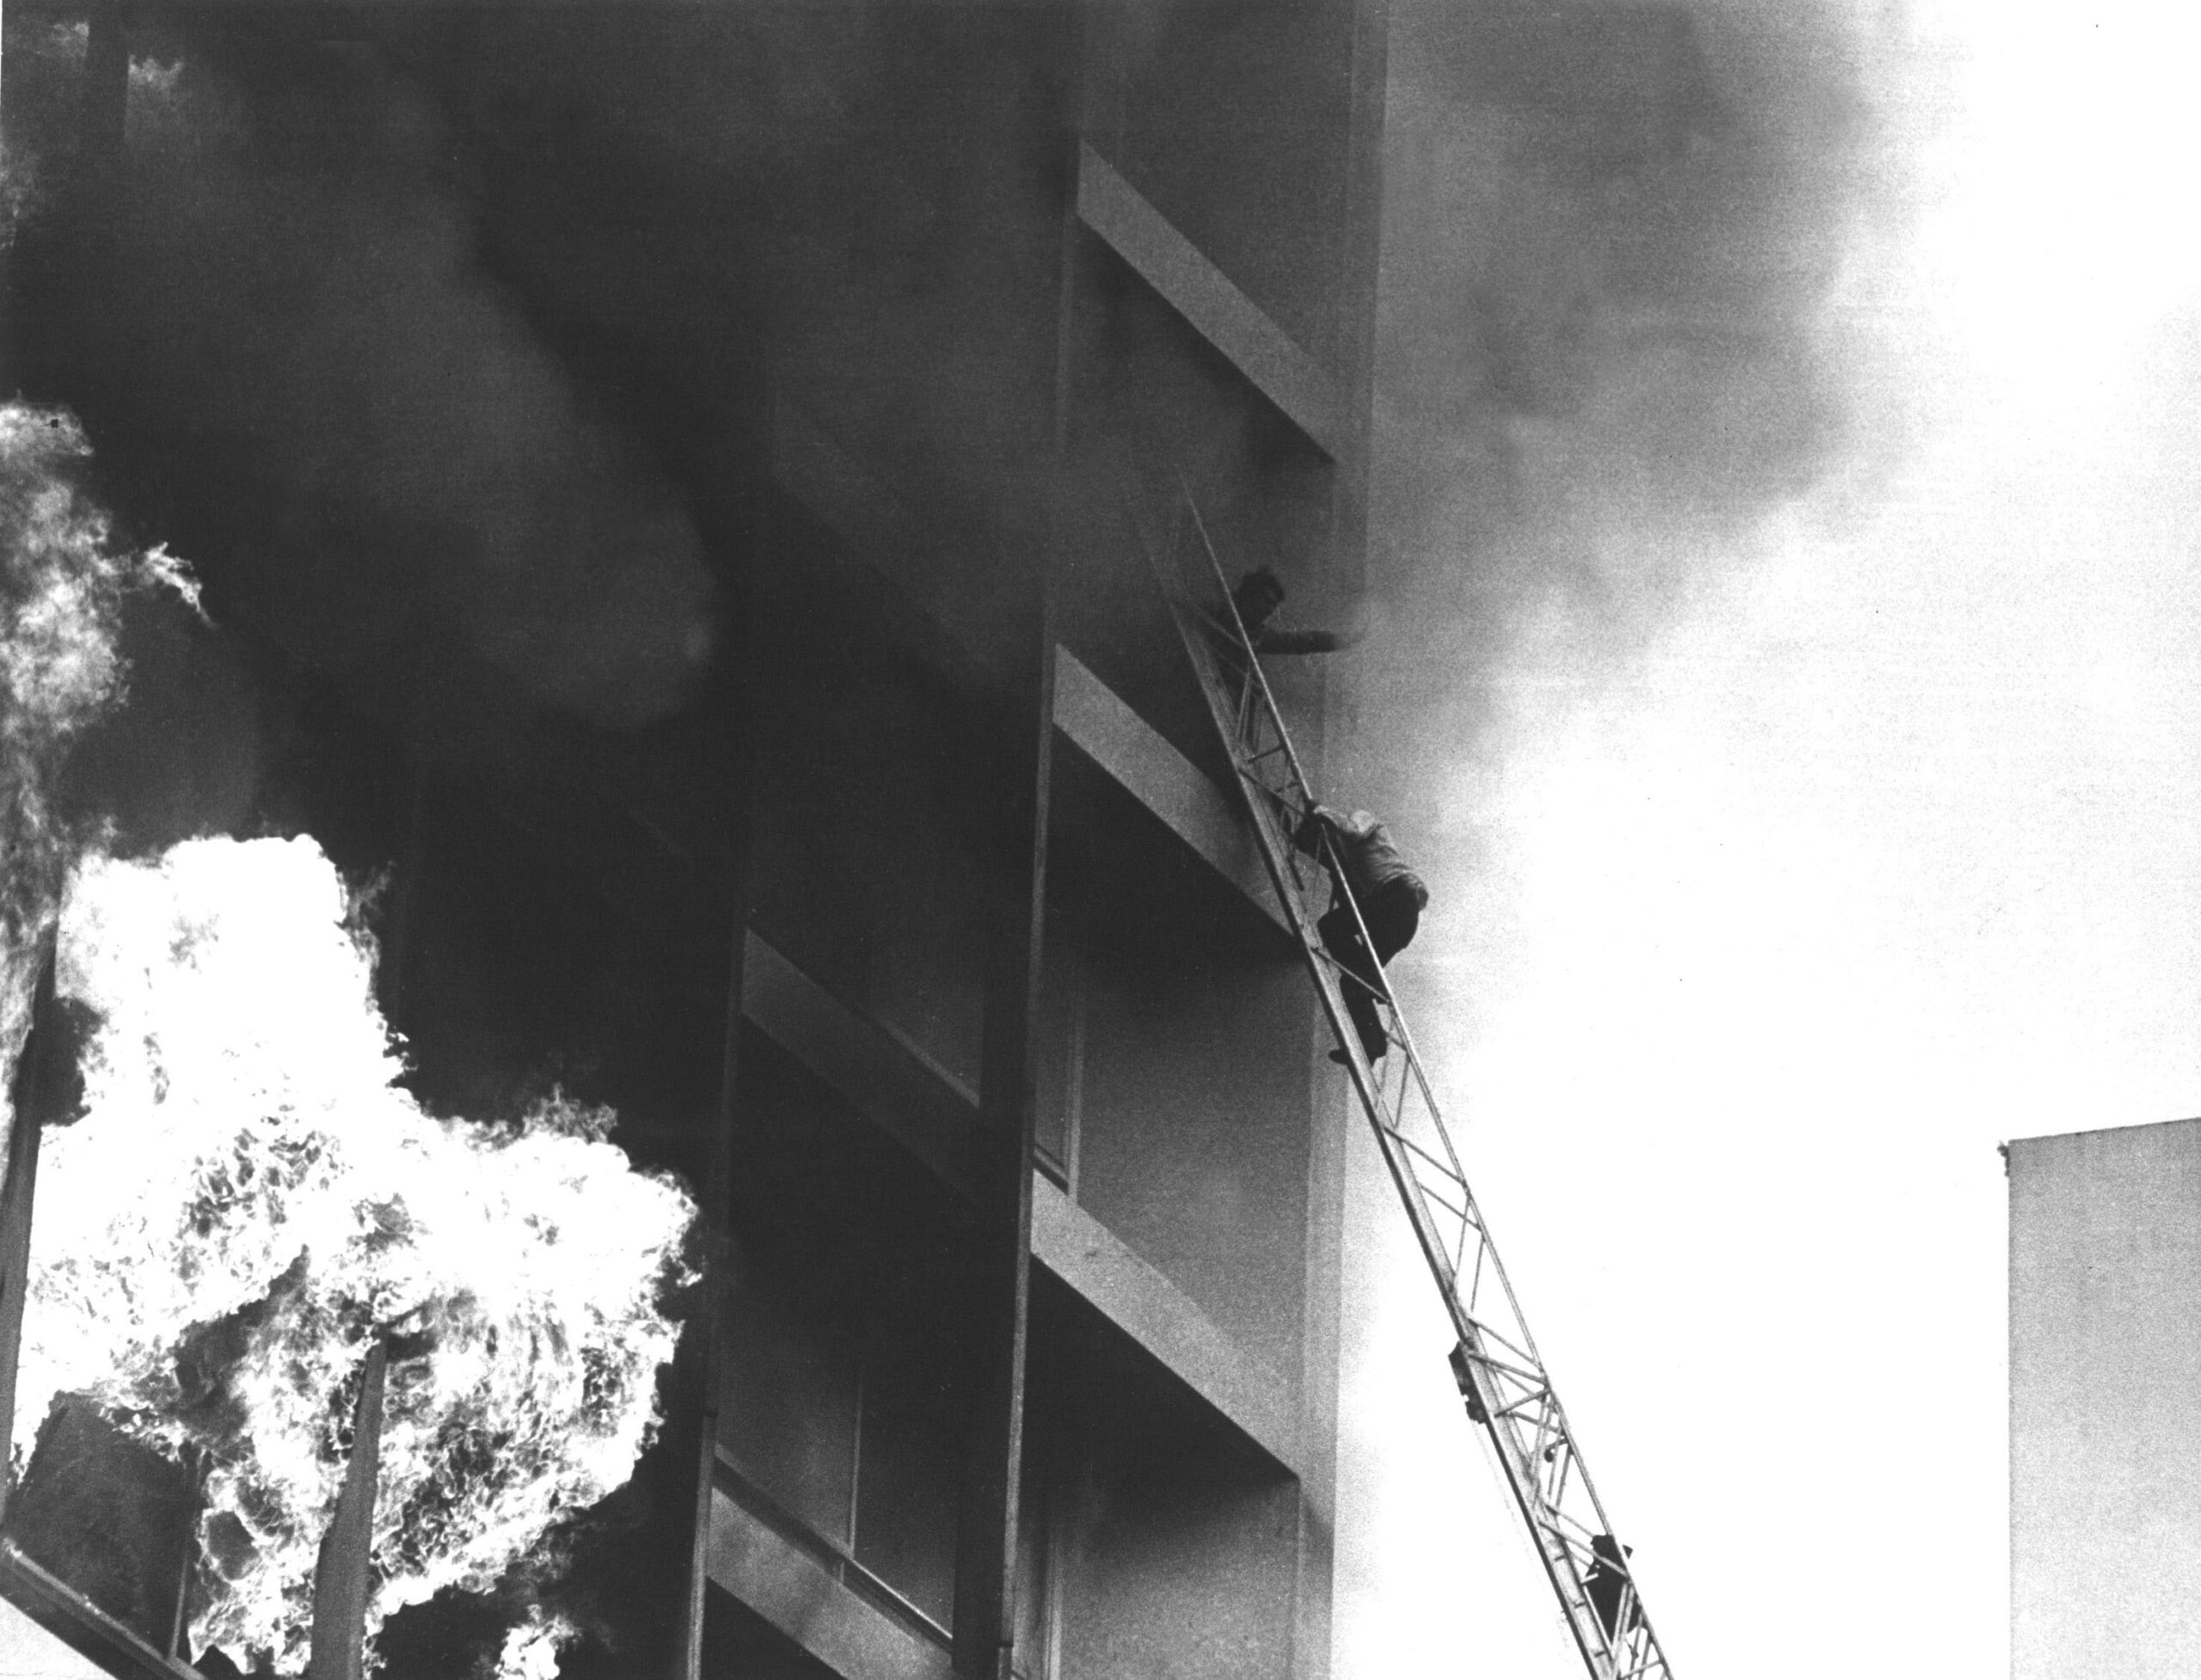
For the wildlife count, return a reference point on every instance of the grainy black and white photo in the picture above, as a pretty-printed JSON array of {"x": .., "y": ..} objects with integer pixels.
[{"x": 1100, "y": 840}]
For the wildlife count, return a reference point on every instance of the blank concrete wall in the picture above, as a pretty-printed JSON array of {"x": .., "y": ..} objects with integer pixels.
[
  {"x": 846, "y": 1334},
  {"x": 1194, "y": 1144},
  {"x": 1232, "y": 120},
  {"x": 2106, "y": 1404},
  {"x": 868, "y": 858},
  {"x": 1183, "y": 1576},
  {"x": 1193, "y": 1096},
  {"x": 1176, "y": 1538}
]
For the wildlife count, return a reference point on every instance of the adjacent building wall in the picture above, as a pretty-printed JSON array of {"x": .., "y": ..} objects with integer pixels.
[{"x": 2104, "y": 1405}]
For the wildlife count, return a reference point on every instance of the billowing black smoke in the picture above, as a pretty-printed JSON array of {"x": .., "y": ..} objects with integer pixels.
[
  {"x": 1611, "y": 347},
  {"x": 438, "y": 336},
  {"x": 275, "y": 319}
]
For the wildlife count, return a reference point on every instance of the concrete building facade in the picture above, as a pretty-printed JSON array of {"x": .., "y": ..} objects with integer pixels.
[
  {"x": 1197, "y": 301},
  {"x": 923, "y": 936},
  {"x": 2106, "y": 1402}
]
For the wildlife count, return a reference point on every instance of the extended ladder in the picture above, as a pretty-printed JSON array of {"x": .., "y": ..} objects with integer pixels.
[{"x": 1502, "y": 1379}]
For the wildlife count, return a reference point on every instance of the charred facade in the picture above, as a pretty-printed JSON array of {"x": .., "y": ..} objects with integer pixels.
[{"x": 668, "y": 482}]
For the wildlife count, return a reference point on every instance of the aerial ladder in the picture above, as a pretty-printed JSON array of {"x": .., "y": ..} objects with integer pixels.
[{"x": 1502, "y": 1379}]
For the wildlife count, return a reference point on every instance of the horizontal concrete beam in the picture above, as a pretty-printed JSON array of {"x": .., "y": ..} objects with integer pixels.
[
  {"x": 1095, "y": 1262},
  {"x": 878, "y": 1076},
  {"x": 800, "y": 1594},
  {"x": 1223, "y": 315},
  {"x": 915, "y": 1106},
  {"x": 1141, "y": 760}
]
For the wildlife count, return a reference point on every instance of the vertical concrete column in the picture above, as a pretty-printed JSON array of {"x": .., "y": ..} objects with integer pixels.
[
  {"x": 1351, "y": 362},
  {"x": 989, "y": 1515},
  {"x": 343, "y": 1576},
  {"x": 1352, "y": 348},
  {"x": 986, "y": 1533},
  {"x": 730, "y": 1147},
  {"x": 38, "y": 1075},
  {"x": 728, "y": 1175}
]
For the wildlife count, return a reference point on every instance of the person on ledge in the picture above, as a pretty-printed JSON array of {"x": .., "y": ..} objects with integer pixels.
[
  {"x": 1257, "y": 597},
  {"x": 1366, "y": 870}
]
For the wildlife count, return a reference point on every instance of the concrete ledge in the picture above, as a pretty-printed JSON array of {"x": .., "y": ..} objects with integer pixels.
[
  {"x": 880, "y": 1078},
  {"x": 912, "y": 1106},
  {"x": 1096, "y": 1263},
  {"x": 1223, "y": 315},
  {"x": 799, "y": 1595},
  {"x": 1138, "y": 758}
]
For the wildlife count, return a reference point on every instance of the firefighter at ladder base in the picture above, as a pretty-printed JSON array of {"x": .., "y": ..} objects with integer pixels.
[
  {"x": 1608, "y": 1587},
  {"x": 1365, "y": 868}
]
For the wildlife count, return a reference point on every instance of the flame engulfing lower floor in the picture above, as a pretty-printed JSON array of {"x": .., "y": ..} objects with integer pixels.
[
  {"x": 249, "y": 1202},
  {"x": 62, "y": 587}
]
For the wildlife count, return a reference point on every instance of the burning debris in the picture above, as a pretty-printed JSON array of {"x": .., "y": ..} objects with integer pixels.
[
  {"x": 531, "y": 1650},
  {"x": 249, "y": 1203}
]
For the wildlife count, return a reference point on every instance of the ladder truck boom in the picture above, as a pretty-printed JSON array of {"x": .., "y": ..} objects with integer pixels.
[{"x": 1502, "y": 1378}]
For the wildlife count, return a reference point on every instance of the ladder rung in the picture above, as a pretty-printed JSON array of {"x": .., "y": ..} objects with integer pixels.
[
  {"x": 1523, "y": 1417},
  {"x": 1449, "y": 1168}
]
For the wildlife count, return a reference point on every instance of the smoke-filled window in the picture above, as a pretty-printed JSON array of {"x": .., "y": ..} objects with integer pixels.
[{"x": 849, "y": 1303}]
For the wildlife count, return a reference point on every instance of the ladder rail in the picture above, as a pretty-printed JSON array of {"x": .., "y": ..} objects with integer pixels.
[
  {"x": 1398, "y": 1032},
  {"x": 1508, "y": 1389}
]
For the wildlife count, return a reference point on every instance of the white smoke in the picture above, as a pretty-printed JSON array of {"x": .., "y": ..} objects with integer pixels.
[{"x": 250, "y": 1202}]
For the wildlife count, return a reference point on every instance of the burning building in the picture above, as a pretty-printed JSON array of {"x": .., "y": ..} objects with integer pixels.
[
  {"x": 670, "y": 489},
  {"x": 661, "y": 972}
]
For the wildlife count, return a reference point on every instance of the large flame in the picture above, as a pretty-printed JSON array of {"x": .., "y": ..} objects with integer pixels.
[
  {"x": 62, "y": 587},
  {"x": 249, "y": 1201}
]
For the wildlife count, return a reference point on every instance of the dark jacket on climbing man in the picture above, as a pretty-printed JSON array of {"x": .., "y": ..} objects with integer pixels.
[
  {"x": 1366, "y": 853},
  {"x": 1607, "y": 1585}
]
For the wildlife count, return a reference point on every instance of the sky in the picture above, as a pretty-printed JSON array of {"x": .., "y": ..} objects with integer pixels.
[{"x": 1760, "y": 926}]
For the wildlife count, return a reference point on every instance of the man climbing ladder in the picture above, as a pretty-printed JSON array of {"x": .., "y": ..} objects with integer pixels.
[
  {"x": 1503, "y": 1381},
  {"x": 1370, "y": 877}
]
